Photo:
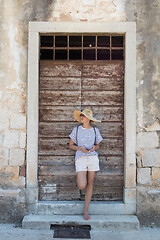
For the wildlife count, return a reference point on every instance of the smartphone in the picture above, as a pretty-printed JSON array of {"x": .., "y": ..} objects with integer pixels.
[{"x": 88, "y": 148}]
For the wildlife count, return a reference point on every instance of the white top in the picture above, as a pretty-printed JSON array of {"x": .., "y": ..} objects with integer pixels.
[{"x": 85, "y": 138}]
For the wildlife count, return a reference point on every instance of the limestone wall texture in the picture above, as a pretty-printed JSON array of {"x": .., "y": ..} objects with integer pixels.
[{"x": 14, "y": 18}]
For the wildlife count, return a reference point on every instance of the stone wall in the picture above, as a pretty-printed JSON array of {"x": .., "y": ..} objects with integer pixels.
[
  {"x": 14, "y": 18},
  {"x": 146, "y": 15}
]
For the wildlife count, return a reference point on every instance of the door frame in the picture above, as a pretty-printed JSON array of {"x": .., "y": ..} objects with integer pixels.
[{"x": 127, "y": 28}]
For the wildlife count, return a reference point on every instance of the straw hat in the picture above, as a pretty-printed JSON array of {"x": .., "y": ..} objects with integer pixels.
[{"x": 87, "y": 112}]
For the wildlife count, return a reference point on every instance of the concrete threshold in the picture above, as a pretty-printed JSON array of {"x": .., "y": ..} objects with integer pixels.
[
  {"x": 108, "y": 222},
  {"x": 76, "y": 208}
]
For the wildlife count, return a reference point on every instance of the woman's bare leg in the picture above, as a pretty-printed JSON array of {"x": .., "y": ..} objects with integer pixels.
[
  {"x": 88, "y": 195},
  {"x": 81, "y": 180}
]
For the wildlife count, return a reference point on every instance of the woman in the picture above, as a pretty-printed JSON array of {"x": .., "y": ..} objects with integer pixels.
[{"x": 85, "y": 140}]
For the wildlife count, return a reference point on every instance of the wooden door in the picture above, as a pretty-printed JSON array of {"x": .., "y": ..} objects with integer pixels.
[{"x": 65, "y": 87}]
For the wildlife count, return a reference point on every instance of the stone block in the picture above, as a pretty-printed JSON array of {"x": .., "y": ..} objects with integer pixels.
[
  {"x": 139, "y": 159},
  {"x": 18, "y": 181},
  {"x": 88, "y": 2},
  {"x": 153, "y": 127},
  {"x": 155, "y": 173},
  {"x": 4, "y": 154},
  {"x": 9, "y": 193},
  {"x": 151, "y": 158},
  {"x": 147, "y": 140},
  {"x": 11, "y": 139},
  {"x": 1, "y": 139},
  {"x": 4, "y": 120},
  {"x": 144, "y": 175},
  {"x": 22, "y": 140},
  {"x": 12, "y": 171},
  {"x": 18, "y": 121},
  {"x": 130, "y": 196},
  {"x": 16, "y": 157}
]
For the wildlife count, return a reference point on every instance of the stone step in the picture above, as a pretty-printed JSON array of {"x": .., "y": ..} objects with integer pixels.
[
  {"x": 76, "y": 208},
  {"x": 108, "y": 222}
]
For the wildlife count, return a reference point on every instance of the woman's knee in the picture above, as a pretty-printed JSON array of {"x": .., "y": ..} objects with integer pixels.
[
  {"x": 90, "y": 185},
  {"x": 81, "y": 186}
]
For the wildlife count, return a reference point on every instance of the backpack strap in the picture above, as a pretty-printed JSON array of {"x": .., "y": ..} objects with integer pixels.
[
  {"x": 95, "y": 135},
  {"x": 77, "y": 134}
]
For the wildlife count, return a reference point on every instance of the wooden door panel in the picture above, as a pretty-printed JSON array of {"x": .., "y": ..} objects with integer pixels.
[
  {"x": 112, "y": 70},
  {"x": 114, "y": 98},
  {"x": 57, "y": 83},
  {"x": 50, "y": 97},
  {"x": 101, "y": 84},
  {"x": 53, "y": 193},
  {"x": 48, "y": 68},
  {"x": 65, "y": 87},
  {"x": 106, "y": 193},
  {"x": 57, "y": 113}
]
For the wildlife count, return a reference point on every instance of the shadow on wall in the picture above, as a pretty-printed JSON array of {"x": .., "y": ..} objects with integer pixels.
[{"x": 33, "y": 11}]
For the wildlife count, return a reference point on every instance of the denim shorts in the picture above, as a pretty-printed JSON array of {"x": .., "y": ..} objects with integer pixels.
[{"x": 87, "y": 163}]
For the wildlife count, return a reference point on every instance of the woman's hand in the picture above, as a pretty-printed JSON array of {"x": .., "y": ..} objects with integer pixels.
[
  {"x": 93, "y": 148},
  {"x": 84, "y": 150}
]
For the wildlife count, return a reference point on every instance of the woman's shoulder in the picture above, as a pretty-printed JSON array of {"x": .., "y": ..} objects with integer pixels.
[
  {"x": 75, "y": 128},
  {"x": 96, "y": 128}
]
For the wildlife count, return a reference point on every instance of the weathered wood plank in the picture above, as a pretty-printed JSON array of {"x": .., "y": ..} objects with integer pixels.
[
  {"x": 55, "y": 160},
  {"x": 56, "y": 83},
  {"x": 114, "y": 98},
  {"x": 59, "y": 113},
  {"x": 106, "y": 193},
  {"x": 60, "y": 70},
  {"x": 49, "y": 97},
  {"x": 66, "y": 181},
  {"x": 70, "y": 160},
  {"x": 51, "y": 129},
  {"x": 106, "y": 113},
  {"x": 103, "y": 70},
  {"x": 45, "y": 170},
  {"x": 53, "y": 193},
  {"x": 102, "y": 84},
  {"x": 58, "y": 180},
  {"x": 108, "y": 181},
  {"x": 61, "y": 146},
  {"x": 68, "y": 193}
]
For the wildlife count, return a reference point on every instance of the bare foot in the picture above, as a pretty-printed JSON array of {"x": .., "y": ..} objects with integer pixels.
[{"x": 86, "y": 217}]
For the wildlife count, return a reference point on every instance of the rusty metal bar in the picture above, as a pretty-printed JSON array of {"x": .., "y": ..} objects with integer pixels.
[
  {"x": 67, "y": 47},
  {"x": 96, "y": 48},
  {"x": 54, "y": 47}
]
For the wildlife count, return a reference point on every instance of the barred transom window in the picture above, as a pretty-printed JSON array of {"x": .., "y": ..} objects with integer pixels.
[{"x": 81, "y": 47}]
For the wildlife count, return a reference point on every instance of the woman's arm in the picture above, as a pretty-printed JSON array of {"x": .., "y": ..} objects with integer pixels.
[
  {"x": 94, "y": 148},
  {"x": 97, "y": 146},
  {"x": 74, "y": 147}
]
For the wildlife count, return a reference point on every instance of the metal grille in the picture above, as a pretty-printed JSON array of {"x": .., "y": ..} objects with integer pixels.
[
  {"x": 81, "y": 47},
  {"x": 68, "y": 231}
]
